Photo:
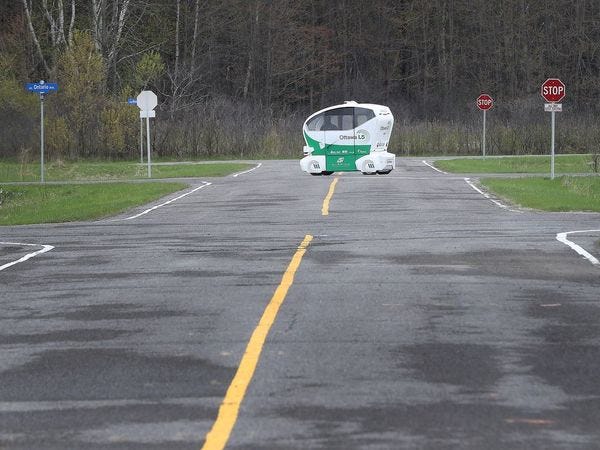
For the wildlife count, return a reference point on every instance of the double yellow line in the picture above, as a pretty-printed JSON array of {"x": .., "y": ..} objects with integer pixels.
[{"x": 218, "y": 436}]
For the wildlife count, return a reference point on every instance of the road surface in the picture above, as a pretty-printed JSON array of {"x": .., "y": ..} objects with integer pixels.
[{"x": 421, "y": 315}]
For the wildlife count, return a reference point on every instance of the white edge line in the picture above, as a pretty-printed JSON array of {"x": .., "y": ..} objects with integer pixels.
[
  {"x": 246, "y": 171},
  {"x": 45, "y": 248},
  {"x": 434, "y": 168},
  {"x": 206, "y": 183},
  {"x": 496, "y": 202},
  {"x": 562, "y": 237}
]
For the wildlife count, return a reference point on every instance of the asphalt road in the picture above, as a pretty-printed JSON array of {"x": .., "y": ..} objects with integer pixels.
[{"x": 422, "y": 316}]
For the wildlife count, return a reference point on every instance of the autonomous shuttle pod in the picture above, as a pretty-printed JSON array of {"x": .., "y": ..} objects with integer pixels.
[{"x": 349, "y": 137}]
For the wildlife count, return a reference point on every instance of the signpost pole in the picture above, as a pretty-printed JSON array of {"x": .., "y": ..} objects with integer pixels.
[
  {"x": 552, "y": 146},
  {"x": 147, "y": 101},
  {"x": 484, "y": 102},
  {"x": 553, "y": 91},
  {"x": 141, "y": 141},
  {"x": 41, "y": 88},
  {"x": 484, "y": 133},
  {"x": 148, "y": 140},
  {"x": 42, "y": 137}
]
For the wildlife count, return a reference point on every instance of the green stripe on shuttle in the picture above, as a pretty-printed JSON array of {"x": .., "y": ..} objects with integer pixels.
[
  {"x": 338, "y": 157},
  {"x": 337, "y": 149}
]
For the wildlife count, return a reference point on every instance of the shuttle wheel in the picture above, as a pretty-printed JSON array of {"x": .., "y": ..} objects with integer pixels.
[
  {"x": 317, "y": 174},
  {"x": 383, "y": 172},
  {"x": 368, "y": 168},
  {"x": 327, "y": 172}
]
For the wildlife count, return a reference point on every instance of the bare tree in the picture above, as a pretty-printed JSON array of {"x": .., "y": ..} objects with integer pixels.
[
  {"x": 177, "y": 21},
  {"x": 54, "y": 14},
  {"x": 34, "y": 37},
  {"x": 251, "y": 49},
  {"x": 195, "y": 36},
  {"x": 109, "y": 18}
]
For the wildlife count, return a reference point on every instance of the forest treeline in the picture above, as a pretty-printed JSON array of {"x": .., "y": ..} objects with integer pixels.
[{"x": 236, "y": 78}]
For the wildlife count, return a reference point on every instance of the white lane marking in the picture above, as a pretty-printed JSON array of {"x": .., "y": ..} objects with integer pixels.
[
  {"x": 434, "y": 168},
  {"x": 206, "y": 183},
  {"x": 562, "y": 237},
  {"x": 496, "y": 202},
  {"x": 51, "y": 405},
  {"x": 246, "y": 171},
  {"x": 45, "y": 248},
  {"x": 360, "y": 177}
]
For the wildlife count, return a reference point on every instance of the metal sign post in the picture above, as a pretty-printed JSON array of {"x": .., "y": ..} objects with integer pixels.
[
  {"x": 553, "y": 90},
  {"x": 141, "y": 141},
  {"x": 484, "y": 102},
  {"x": 41, "y": 138},
  {"x": 42, "y": 88},
  {"x": 552, "y": 145},
  {"x": 483, "y": 143},
  {"x": 552, "y": 108},
  {"x": 147, "y": 115},
  {"x": 148, "y": 142},
  {"x": 147, "y": 101}
]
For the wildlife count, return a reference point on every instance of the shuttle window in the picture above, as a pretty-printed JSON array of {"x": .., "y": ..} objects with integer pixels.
[
  {"x": 362, "y": 115},
  {"x": 339, "y": 119},
  {"x": 331, "y": 123},
  {"x": 315, "y": 123}
]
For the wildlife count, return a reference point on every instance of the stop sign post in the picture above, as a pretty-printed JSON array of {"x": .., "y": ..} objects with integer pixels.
[
  {"x": 484, "y": 102},
  {"x": 147, "y": 101},
  {"x": 553, "y": 91}
]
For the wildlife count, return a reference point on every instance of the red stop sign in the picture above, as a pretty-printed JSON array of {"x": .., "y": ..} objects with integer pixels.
[
  {"x": 485, "y": 102},
  {"x": 553, "y": 90}
]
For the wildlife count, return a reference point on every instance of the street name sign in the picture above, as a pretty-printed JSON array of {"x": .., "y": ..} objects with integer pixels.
[{"x": 41, "y": 87}]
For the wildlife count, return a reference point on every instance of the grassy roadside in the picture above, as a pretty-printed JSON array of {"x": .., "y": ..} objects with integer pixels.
[
  {"x": 518, "y": 164},
  {"x": 12, "y": 171},
  {"x": 28, "y": 204},
  {"x": 560, "y": 194}
]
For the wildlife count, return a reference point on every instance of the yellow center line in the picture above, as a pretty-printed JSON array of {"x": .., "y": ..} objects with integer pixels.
[
  {"x": 218, "y": 436},
  {"x": 325, "y": 208}
]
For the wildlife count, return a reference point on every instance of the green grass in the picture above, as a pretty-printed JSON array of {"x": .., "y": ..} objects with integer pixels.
[
  {"x": 560, "y": 194},
  {"x": 518, "y": 164},
  {"x": 196, "y": 170},
  {"x": 106, "y": 171},
  {"x": 28, "y": 204}
]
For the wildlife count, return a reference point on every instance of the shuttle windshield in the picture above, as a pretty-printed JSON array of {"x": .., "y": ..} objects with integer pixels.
[{"x": 340, "y": 119}]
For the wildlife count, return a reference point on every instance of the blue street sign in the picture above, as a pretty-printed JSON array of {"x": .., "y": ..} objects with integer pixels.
[
  {"x": 41, "y": 87},
  {"x": 132, "y": 101}
]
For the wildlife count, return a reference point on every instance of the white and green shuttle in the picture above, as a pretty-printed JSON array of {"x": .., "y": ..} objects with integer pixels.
[{"x": 349, "y": 137}]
